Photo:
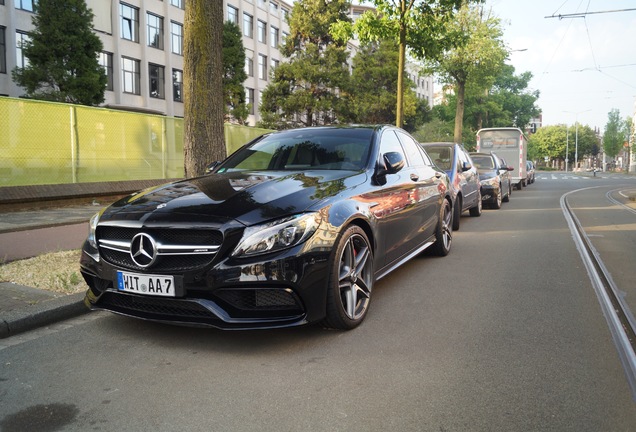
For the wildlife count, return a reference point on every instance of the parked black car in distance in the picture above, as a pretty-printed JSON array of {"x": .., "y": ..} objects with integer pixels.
[
  {"x": 295, "y": 227},
  {"x": 496, "y": 184},
  {"x": 464, "y": 178}
]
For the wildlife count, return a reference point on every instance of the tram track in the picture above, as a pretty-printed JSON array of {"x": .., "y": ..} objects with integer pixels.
[{"x": 620, "y": 319}]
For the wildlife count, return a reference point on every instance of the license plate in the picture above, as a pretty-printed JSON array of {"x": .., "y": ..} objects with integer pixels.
[{"x": 146, "y": 284}]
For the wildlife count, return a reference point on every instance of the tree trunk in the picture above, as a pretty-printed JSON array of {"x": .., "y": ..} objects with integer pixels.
[
  {"x": 399, "y": 109},
  {"x": 459, "y": 112},
  {"x": 204, "y": 140}
]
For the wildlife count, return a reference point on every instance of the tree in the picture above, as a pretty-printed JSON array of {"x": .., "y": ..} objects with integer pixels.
[
  {"x": 234, "y": 73},
  {"x": 374, "y": 84},
  {"x": 203, "y": 86},
  {"x": 418, "y": 26},
  {"x": 615, "y": 134},
  {"x": 553, "y": 141},
  {"x": 312, "y": 87},
  {"x": 479, "y": 59},
  {"x": 62, "y": 55}
]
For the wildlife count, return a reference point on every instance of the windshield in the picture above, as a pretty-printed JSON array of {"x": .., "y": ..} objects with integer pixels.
[
  {"x": 483, "y": 162},
  {"x": 315, "y": 149}
]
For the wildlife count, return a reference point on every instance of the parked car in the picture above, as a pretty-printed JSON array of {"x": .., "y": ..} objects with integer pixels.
[
  {"x": 295, "y": 227},
  {"x": 494, "y": 174},
  {"x": 530, "y": 172},
  {"x": 456, "y": 162}
]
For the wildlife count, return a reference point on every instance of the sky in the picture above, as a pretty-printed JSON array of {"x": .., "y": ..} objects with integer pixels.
[{"x": 583, "y": 67}]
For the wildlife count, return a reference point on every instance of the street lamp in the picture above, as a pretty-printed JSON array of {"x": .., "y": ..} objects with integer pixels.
[{"x": 576, "y": 138}]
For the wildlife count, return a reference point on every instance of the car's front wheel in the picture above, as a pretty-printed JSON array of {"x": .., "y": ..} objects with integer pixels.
[
  {"x": 444, "y": 232},
  {"x": 498, "y": 198},
  {"x": 350, "y": 280}
]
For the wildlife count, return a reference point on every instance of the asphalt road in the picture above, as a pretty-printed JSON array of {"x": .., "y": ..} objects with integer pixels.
[{"x": 504, "y": 334}]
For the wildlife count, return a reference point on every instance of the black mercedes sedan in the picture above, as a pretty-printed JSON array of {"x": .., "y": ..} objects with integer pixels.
[{"x": 293, "y": 228}]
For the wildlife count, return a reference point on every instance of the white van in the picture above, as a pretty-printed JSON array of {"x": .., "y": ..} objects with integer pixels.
[{"x": 510, "y": 144}]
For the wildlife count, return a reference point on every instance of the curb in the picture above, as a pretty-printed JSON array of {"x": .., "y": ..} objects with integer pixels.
[{"x": 42, "y": 314}]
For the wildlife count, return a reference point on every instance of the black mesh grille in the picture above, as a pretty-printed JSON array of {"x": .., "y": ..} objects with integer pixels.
[
  {"x": 259, "y": 299},
  {"x": 168, "y": 237},
  {"x": 167, "y": 264},
  {"x": 137, "y": 306}
]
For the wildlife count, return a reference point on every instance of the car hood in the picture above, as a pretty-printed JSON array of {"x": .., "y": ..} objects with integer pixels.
[{"x": 249, "y": 197}]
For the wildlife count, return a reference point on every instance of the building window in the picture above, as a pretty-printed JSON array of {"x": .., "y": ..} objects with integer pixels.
[
  {"x": 273, "y": 8},
  {"x": 177, "y": 85},
  {"x": 20, "y": 39},
  {"x": 157, "y": 81},
  {"x": 130, "y": 75},
  {"x": 262, "y": 67},
  {"x": 248, "y": 24},
  {"x": 285, "y": 12},
  {"x": 178, "y": 3},
  {"x": 262, "y": 31},
  {"x": 273, "y": 36},
  {"x": 284, "y": 38},
  {"x": 273, "y": 64},
  {"x": 262, "y": 3},
  {"x": 129, "y": 22},
  {"x": 106, "y": 61},
  {"x": 3, "y": 51},
  {"x": 155, "y": 31},
  {"x": 176, "y": 31},
  {"x": 249, "y": 99},
  {"x": 232, "y": 14},
  {"x": 26, "y": 5},
  {"x": 249, "y": 64}
]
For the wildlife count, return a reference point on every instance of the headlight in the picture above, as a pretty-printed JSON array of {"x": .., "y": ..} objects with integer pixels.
[
  {"x": 277, "y": 235},
  {"x": 92, "y": 226}
]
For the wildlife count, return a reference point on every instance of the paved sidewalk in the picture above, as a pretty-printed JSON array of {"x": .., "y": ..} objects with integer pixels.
[{"x": 24, "y": 308}]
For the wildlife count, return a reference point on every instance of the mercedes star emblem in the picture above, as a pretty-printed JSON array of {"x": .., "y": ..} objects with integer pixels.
[{"x": 143, "y": 250}]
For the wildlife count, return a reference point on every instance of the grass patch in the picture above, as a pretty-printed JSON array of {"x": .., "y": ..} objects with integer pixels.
[{"x": 56, "y": 271}]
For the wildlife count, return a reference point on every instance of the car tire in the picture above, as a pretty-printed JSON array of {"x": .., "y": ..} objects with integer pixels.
[
  {"x": 350, "y": 280},
  {"x": 476, "y": 211},
  {"x": 506, "y": 198},
  {"x": 498, "y": 199},
  {"x": 457, "y": 213},
  {"x": 444, "y": 231}
]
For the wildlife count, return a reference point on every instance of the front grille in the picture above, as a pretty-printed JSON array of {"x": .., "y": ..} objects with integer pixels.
[
  {"x": 172, "y": 261},
  {"x": 166, "y": 264}
]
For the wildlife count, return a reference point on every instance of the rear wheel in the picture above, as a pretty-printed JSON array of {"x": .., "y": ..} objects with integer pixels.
[
  {"x": 444, "y": 232},
  {"x": 457, "y": 212},
  {"x": 476, "y": 211},
  {"x": 507, "y": 197},
  {"x": 350, "y": 280}
]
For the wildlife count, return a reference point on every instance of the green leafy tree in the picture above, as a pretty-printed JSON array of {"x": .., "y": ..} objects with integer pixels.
[
  {"x": 62, "y": 55},
  {"x": 553, "y": 141},
  {"x": 616, "y": 132},
  {"x": 479, "y": 59},
  {"x": 312, "y": 87},
  {"x": 234, "y": 74},
  {"x": 374, "y": 84},
  {"x": 204, "y": 140},
  {"x": 416, "y": 26}
]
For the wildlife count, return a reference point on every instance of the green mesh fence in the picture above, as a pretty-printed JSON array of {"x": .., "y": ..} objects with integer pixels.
[{"x": 51, "y": 143}]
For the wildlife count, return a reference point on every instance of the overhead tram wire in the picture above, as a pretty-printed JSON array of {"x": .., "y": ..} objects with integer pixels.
[{"x": 583, "y": 14}]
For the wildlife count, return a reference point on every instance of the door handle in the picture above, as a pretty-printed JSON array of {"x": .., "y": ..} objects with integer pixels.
[{"x": 415, "y": 177}]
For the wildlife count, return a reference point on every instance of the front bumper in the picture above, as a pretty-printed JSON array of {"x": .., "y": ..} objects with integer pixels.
[
  {"x": 277, "y": 290},
  {"x": 489, "y": 193}
]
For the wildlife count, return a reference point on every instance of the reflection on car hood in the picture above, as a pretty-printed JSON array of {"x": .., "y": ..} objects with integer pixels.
[{"x": 249, "y": 197}]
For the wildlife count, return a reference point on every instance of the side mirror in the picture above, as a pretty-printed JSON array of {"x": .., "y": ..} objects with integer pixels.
[
  {"x": 466, "y": 166},
  {"x": 509, "y": 168},
  {"x": 393, "y": 161},
  {"x": 212, "y": 166}
]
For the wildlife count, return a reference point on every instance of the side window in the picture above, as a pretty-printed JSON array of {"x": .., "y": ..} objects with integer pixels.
[
  {"x": 412, "y": 150},
  {"x": 390, "y": 143},
  {"x": 463, "y": 158},
  {"x": 427, "y": 159}
]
